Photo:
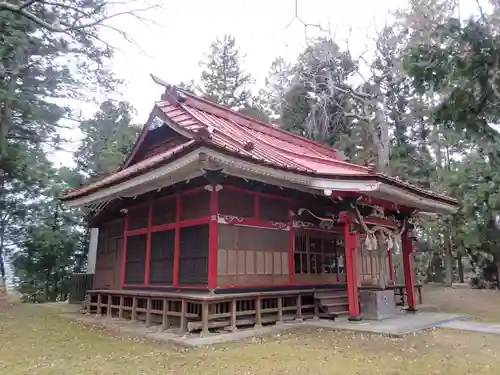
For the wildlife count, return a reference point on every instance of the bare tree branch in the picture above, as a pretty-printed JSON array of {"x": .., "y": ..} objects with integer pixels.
[
  {"x": 27, "y": 3},
  {"x": 305, "y": 24},
  {"x": 83, "y": 19},
  {"x": 481, "y": 11}
]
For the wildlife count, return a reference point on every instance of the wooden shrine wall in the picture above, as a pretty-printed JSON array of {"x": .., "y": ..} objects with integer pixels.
[
  {"x": 251, "y": 252},
  {"x": 108, "y": 270},
  {"x": 252, "y": 256},
  {"x": 257, "y": 243},
  {"x": 154, "y": 225}
]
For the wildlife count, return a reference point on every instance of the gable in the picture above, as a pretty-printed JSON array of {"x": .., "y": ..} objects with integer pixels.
[
  {"x": 156, "y": 137},
  {"x": 156, "y": 141}
]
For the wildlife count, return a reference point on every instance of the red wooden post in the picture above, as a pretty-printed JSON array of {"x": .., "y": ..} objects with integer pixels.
[
  {"x": 178, "y": 211},
  {"x": 124, "y": 252},
  {"x": 213, "y": 237},
  {"x": 256, "y": 212},
  {"x": 148, "y": 243},
  {"x": 351, "y": 272},
  {"x": 355, "y": 273},
  {"x": 408, "y": 270},
  {"x": 391, "y": 264},
  {"x": 291, "y": 246}
]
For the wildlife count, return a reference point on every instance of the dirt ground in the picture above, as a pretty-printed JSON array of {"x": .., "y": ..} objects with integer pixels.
[
  {"x": 35, "y": 340},
  {"x": 483, "y": 304}
]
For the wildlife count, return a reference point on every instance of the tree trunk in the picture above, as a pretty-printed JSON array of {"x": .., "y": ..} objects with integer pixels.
[
  {"x": 448, "y": 259},
  {"x": 460, "y": 266},
  {"x": 382, "y": 141},
  {"x": 46, "y": 288},
  {"x": 5, "y": 108},
  {"x": 3, "y": 276},
  {"x": 497, "y": 263}
]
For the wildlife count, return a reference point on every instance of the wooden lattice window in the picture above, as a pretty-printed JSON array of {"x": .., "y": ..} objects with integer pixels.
[
  {"x": 272, "y": 209},
  {"x": 164, "y": 211},
  {"x": 195, "y": 205},
  {"x": 236, "y": 203},
  {"x": 300, "y": 255},
  {"x": 317, "y": 253},
  {"x": 162, "y": 257},
  {"x": 193, "y": 255},
  {"x": 135, "y": 262},
  {"x": 138, "y": 217}
]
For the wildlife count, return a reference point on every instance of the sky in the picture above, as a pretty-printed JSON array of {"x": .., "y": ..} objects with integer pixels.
[{"x": 179, "y": 34}]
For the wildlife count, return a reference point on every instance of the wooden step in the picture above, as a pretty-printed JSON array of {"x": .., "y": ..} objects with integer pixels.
[
  {"x": 331, "y": 294},
  {"x": 339, "y": 313},
  {"x": 334, "y": 304},
  {"x": 333, "y": 300},
  {"x": 336, "y": 308}
]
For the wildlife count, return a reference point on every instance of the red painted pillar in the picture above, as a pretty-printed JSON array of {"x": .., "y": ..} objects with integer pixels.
[
  {"x": 351, "y": 272},
  {"x": 124, "y": 252},
  {"x": 408, "y": 270},
  {"x": 291, "y": 247},
  {"x": 148, "y": 243},
  {"x": 178, "y": 212},
  {"x": 391, "y": 265},
  {"x": 213, "y": 247}
]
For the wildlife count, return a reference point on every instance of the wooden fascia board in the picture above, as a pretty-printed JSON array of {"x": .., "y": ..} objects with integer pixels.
[
  {"x": 363, "y": 184},
  {"x": 113, "y": 191},
  {"x": 369, "y": 185}
]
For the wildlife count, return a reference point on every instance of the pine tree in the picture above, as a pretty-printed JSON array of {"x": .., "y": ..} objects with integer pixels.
[
  {"x": 223, "y": 79},
  {"x": 108, "y": 139},
  {"x": 39, "y": 69},
  {"x": 52, "y": 246}
]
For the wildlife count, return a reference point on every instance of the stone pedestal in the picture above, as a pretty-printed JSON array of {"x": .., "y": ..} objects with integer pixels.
[{"x": 377, "y": 304}]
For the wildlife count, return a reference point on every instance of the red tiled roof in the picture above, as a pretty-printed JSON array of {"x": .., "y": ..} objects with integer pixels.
[
  {"x": 273, "y": 146},
  {"x": 244, "y": 136}
]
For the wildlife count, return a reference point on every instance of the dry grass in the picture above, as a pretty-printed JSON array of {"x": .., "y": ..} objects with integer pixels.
[
  {"x": 482, "y": 304},
  {"x": 34, "y": 340},
  {"x": 7, "y": 301}
]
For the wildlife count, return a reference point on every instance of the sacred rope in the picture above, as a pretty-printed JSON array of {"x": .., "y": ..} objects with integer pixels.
[{"x": 388, "y": 235}]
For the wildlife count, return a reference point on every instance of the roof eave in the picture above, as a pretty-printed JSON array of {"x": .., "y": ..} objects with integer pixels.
[
  {"x": 367, "y": 184},
  {"x": 424, "y": 204}
]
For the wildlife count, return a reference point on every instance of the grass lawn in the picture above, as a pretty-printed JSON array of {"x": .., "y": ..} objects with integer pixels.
[
  {"x": 480, "y": 303},
  {"x": 34, "y": 340}
]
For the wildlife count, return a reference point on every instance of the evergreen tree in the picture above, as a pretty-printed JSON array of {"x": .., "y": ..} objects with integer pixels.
[
  {"x": 223, "y": 79},
  {"x": 108, "y": 139},
  {"x": 39, "y": 71},
  {"x": 52, "y": 247},
  {"x": 43, "y": 73}
]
